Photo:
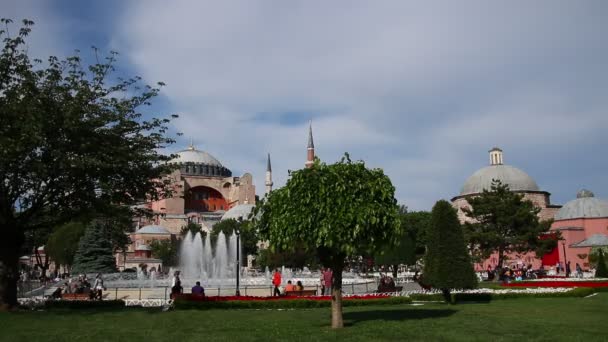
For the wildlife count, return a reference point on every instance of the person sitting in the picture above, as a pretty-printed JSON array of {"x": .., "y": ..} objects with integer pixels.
[
  {"x": 176, "y": 289},
  {"x": 299, "y": 286},
  {"x": 57, "y": 293},
  {"x": 289, "y": 287},
  {"x": 198, "y": 290}
]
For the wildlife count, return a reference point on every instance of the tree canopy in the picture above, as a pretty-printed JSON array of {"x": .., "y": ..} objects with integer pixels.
[
  {"x": 71, "y": 139},
  {"x": 95, "y": 252},
  {"x": 63, "y": 243},
  {"x": 504, "y": 222},
  {"x": 410, "y": 245},
  {"x": 447, "y": 264},
  {"x": 341, "y": 210}
]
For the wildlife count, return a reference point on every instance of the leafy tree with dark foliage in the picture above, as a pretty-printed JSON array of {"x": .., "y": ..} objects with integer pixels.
[
  {"x": 447, "y": 264},
  {"x": 341, "y": 210},
  {"x": 410, "y": 245},
  {"x": 95, "y": 252},
  {"x": 601, "y": 271},
  {"x": 63, "y": 243},
  {"x": 165, "y": 250},
  {"x": 504, "y": 222},
  {"x": 70, "y": 140}
]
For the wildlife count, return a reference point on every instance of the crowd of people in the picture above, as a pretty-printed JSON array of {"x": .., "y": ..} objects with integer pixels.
[{"x": 81, "y": 285}]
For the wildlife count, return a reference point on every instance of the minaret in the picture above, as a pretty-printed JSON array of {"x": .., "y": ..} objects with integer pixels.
[
  {"x": 495, "y": 156},
  {"x": 310, "y": 160},
  {"x": 268, "y": 176}
]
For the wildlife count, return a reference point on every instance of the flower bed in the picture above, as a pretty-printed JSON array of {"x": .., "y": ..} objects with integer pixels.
[
  {"x": 486, "y": 295},
  {"x": 290, "y": 302},
  {"x": 557, "y": 283}
]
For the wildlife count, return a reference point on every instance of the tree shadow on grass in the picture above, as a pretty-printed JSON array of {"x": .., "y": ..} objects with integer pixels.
[{"x": 352, "y": 318}]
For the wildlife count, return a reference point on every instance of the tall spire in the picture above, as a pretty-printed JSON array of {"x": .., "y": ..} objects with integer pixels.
[
  {"x": 310, "y": 160},
  {"x": 269, "y": 182},
  {"x": 311, "y": 144},
  {"x": 191, "y": 147}
]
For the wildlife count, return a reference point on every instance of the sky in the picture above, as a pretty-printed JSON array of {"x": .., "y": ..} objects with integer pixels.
[{"x": 421, "y": 89}]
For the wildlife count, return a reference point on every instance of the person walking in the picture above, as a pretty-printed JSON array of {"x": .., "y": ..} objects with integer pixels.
[
  {"x": 276, "y": 281},
  {"x": 327, "y": 279},
  {"x": 579, "y": 270},
  {"x": 568, "y": 269},
  {"x": 98, "y": 287}
]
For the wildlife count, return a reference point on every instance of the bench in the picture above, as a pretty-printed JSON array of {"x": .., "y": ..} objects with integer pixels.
[
  {"x": 389, "y": 289},
  {"x": 301, "y": 293},
  {"x": 188, "y": 296},
  {"x": 75, "y": 296}
]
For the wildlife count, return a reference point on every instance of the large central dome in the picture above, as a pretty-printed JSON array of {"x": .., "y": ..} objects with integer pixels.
[
  {"x": 192, "y": 155},
  {"x": 516, "y": 179}
]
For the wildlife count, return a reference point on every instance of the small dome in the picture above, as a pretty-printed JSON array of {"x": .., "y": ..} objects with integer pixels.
[
  {"x": 584, "y": 206},
  {"x": 192, "y": 155},
  {"x": 516, "y": 179},
  {"x": 240, "y": 211},
  {"x": 153, "y": 229}
]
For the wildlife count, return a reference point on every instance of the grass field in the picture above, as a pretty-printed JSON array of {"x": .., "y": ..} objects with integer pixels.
[{"x": 542, "y": 319}]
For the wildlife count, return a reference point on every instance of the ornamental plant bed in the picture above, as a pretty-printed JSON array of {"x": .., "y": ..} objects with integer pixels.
[
  {"x": 286, "y": 303},
  {"x": 188, "y": 297},
  {"x": 557, "y": 283},
  {"x": 487, "y": 295}
]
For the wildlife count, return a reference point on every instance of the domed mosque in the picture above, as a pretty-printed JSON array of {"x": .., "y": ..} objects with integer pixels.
[
  {"x": 204, "y": 191},
  {"x": 517, "y": 180}
]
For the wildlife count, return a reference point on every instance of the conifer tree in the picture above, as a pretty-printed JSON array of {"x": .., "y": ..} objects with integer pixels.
[
  {"x": 95, "y": 252},
  {"x": 447, "y": 264},
  {"x": 601, "y": 271}
]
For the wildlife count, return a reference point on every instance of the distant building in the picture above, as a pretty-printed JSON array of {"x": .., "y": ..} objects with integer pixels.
[
  {"x": 519, "y": 182},
  {"x": 577, "y": 220}
]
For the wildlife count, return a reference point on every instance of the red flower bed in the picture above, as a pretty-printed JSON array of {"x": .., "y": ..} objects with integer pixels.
[
  {"x": 557, "y": 283},
  {"x": 196, "y": 298}
]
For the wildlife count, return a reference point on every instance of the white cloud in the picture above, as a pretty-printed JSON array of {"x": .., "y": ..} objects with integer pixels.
[{"x": 421, "y": 89}]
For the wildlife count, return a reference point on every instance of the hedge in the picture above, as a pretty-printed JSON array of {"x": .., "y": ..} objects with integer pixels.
[
  {"x": 181, "y": 304},
  {"x": 487, "y": 297}
]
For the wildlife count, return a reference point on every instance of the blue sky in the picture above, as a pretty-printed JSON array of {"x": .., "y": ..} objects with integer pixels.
[{"x": 421, "y": 89}]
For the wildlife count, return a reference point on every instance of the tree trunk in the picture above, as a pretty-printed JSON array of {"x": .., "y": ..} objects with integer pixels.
[
  {"x": 336, "y": 295},
  {"x": 10, "y": 244}
]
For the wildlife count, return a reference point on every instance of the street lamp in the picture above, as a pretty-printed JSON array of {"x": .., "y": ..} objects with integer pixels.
[
  {"x": 238, "y": 260},
  {"x": 565, "y": 260}
]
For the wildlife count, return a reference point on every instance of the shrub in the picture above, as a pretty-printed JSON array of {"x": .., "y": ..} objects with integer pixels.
[{"x": 183, "y": 304}]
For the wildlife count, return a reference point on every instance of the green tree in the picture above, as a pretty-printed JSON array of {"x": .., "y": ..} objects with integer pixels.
[
  {"x": 63, "y": 243},
  {"x": 192, "y": 228},
  {"x": 341, "y": 210},
  {"x": 601, "y": 271},
  {"x": 166, "y": 251},
  {"x": 410, "y": 245},
  {"x": 503, "y": 222},
  {"x": 71, "y": 139},
  {"x": 416, "y": 224},
  {"x": 447, "y": 264},
  {"x": 297, "y": 257},
  {"x": 248, "y": 235},
  {"x": 95, "y": 252}
]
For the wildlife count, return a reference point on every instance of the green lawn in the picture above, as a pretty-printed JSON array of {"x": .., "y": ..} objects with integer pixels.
[{"x": 548, "y": 319}]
